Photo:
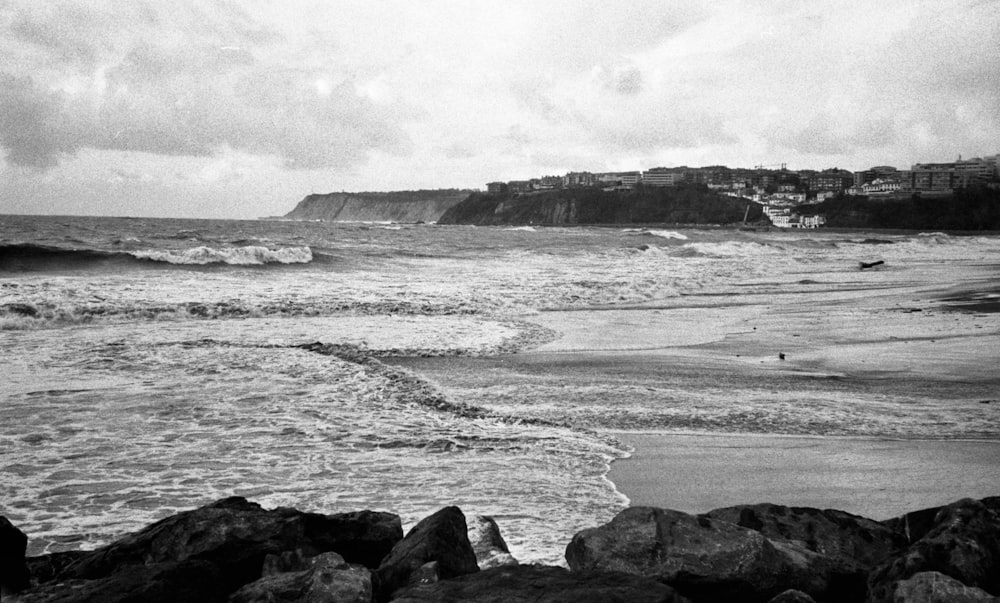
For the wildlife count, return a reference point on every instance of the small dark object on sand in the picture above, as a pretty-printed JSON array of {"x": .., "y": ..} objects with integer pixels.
[
  {"x": 871, "y": 264},
  {"x": 781, "y": 355}
]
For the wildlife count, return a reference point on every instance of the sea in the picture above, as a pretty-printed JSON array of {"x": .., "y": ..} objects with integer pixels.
[{"x": 154, "y": 365}]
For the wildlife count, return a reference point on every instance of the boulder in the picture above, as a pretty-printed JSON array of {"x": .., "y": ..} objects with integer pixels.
[
  {"x": 542, "y": 584},
  {"x": 45, "y": 568},
  {"x": 833, "y": 533},
  {"x": 443, "y": 537},
  {"x": 935, "y": 587},
  {"x": 236, "y": 535},
  {"x": 13, "y": 569},
  {"x": 190, "y": 581},
  {"x": 793, "y": 596},
  {"x": 711, "y": 560},
  {"x": 962, "y": 541},
  {"x": 329, "y": 579},
  {"x": 287, "y": 561},
  {"x": 490, "y": 548}
]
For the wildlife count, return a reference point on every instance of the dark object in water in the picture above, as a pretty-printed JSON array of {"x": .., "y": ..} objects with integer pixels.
[
  {"x": 781, "y": 355},
  {"x": 871, "y": 264}
]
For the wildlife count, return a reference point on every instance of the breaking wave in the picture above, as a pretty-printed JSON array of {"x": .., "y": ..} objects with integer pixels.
[
  {"x": 253, "y": 255},
  {"x": 43, "y": 258},
  {"x": 665, "y": 234}
]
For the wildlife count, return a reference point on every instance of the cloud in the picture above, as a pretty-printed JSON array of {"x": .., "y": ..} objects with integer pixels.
[
  {"x": 180, "y": 91},
  {"x": 30, "y": 124}
]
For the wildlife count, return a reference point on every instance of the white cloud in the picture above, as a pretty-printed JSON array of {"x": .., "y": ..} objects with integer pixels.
[{"x": 364, "y": 95}]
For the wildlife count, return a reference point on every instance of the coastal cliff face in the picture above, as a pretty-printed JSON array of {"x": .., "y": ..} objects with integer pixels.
[
  {"x": 397, "y": 206},
  {"x": 682, "y": 205}
]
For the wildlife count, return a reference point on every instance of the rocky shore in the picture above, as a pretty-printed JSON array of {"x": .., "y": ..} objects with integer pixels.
[{"x": 234, "y": 550}]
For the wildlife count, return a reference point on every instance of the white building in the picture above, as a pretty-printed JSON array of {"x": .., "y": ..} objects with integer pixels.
[{"x": 662, "y": 177}]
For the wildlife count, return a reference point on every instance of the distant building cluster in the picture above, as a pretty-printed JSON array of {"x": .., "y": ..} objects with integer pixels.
[{"x": 776, "y": 187}]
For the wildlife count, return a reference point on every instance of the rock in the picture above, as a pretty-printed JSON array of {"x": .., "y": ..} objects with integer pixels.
[
  {"x": 442, "y": 537},
  {"x": 237, "y": 535},
  {"x": 962, "y": 541},
  {"x": 287, "y": 561},
  {"x": 45, "y": 568},
  {"x": 707, "y": 559},
  {"x": 542, "y": 584},
  {"x": 833, "y": 533},
  {"x": 935, "y": 587},
  {"x": 190, "y": 581},
  {"x": 14, "y": 575},
  {"x": 490, "y": 548},
  {"x": 428, "y": 573},
  {"x": 793, "y": 596},
  {"x": 329, "y": 579}
]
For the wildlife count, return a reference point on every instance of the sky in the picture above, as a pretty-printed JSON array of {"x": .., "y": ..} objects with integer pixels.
[{"x": 238, "y": 109}]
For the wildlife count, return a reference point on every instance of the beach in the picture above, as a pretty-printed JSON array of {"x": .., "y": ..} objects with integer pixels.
[
  {"x": 890, "y": 339},
  {"x": 864, "y": 393},
  {"x": 538, "y": 376}
]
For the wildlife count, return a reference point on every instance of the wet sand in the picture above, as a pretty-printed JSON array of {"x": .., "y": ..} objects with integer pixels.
[
  {"x": 875, "y": 478},
  {"x": 888, "y": 340}
]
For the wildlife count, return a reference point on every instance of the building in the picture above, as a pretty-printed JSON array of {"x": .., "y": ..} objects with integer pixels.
[
  {"x": 881, "y": 186},
  {"x": 630, "y": 178},
  {"x": 579, "y": 179},
  {"x": 662, "y": 177},
  {"x": 520, "y": 186},
  {"x": 879, "y": 172},
  {"x": 547, "y": 183},
  {"x": 831, "y": 180},
  {"x": 497, "y": 188}
]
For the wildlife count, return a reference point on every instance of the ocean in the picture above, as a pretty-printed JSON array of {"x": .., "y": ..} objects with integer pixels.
[{"x": 154, "y": 365}]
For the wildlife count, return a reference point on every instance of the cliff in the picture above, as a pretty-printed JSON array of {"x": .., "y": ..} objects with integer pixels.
[
  {"x": 974, "y": 208},
  {"x": 691, "y": 204},
  {"x": 396, "y": 206}
]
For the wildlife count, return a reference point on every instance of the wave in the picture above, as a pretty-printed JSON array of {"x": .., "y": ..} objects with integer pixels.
[
  {"x": 28, "y": 257},
  {"x": 665, "y": 234},
  {"x": 253, "y": 255},
  {"x": 726, "y": 249}
]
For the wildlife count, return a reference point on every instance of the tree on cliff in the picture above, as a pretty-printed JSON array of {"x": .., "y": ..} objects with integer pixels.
[
  {"x": 686, "y": 204},
  {"x": 972, "y": 208}
]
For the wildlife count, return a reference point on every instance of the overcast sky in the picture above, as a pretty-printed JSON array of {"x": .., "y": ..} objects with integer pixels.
[{"x": 210, "y": 108}]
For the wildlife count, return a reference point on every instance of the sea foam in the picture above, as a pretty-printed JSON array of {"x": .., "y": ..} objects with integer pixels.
[{"x": 243, "y": 256}]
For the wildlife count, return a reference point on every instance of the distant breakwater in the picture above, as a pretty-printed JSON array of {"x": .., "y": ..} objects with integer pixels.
[{"x": 234, "y": 550}]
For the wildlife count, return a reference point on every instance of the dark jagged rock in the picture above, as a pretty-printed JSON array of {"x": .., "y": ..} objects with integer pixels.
[
  {"x": 45, "y": 568},
  {"x": 236, "y": 535},
  {"x": 328, "y": 579},
  {"x": 793, "y": 596},
  {"x": 962, "y": 541},
  {"x": 287, "y": 561},
  {"x": 833, "y": 533},
  {"x": 710, "y": 560},
  {"x": 13, "y": 570},
  {"x": 191, "y": 581},
  {"x": 935, "y": 587},
  {"x": 490, "y": 548},
  {"x": 442, "y": 537},
  {"x": 542, "y": 584}
]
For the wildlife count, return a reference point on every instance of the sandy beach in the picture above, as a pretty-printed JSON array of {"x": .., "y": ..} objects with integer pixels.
[
  {"x": 875, "y": 478},
  {"x": 881, "y": 339}
]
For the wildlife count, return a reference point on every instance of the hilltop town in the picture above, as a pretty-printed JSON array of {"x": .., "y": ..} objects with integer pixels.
[{"x": 779, "y": 191}]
